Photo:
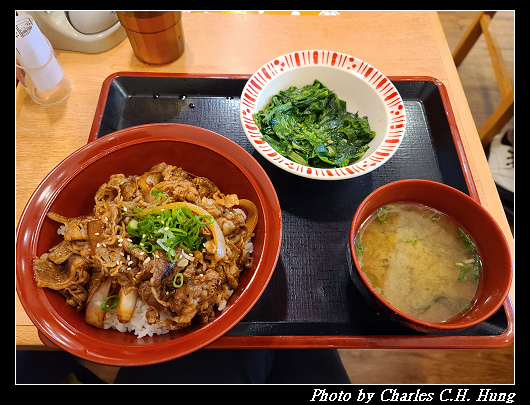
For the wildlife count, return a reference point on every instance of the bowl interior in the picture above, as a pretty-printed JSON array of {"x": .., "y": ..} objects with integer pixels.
[
  {"x": 71, "y": 191},
  {"x": 349, "y": 86},
  {"x": 491, "y": 243}
]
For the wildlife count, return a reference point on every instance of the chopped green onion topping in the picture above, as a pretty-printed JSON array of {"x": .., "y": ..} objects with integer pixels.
[
  {"x": 157, "y": 193},
  {"x": 471, "y": 267},
  {"x": 168, "y": 229},
  {"x": 115, "y": 300},
  {"x": 382, "y": 214},
  {"x": 359, "y": 246},
  {"x": 180, "y": 277}
]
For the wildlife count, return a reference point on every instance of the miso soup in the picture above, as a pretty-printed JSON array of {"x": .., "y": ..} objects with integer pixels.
[{"x": 419, "y": 260}]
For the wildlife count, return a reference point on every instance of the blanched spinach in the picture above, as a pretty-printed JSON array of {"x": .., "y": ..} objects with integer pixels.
[{"x": 310, "y": 126}]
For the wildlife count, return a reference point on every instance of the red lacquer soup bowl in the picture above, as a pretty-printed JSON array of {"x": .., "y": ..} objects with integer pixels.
[
  {"x": 495, "y": 280},
  {"x": 69, "y": 190}
]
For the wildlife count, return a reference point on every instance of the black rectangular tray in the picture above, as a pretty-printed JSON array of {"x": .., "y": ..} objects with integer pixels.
[{"x": 311, "y": 300}]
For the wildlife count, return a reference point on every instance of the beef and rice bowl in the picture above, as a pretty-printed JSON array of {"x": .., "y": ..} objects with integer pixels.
[{"x": 158, "y": 251}]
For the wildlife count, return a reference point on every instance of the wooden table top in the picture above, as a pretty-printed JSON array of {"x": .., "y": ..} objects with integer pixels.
[{"x": 409, "y": 43}]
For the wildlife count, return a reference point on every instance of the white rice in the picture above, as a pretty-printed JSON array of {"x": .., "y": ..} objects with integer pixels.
[
  {"x": 138, "y": 323},
  {"x": 249, "y": 246}
]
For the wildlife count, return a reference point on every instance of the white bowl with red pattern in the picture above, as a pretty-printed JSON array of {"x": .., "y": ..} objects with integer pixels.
[{"x": 364, "y": 88}]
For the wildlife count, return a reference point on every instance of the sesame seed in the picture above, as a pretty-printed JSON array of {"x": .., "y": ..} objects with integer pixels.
[{"x": 97, "y": 233}]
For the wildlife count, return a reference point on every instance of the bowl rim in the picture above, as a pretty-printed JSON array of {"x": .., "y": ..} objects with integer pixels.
[
  {"x": 409, "y": 320},
  {"x": 53, "y": 327},
  {"x": 381, "y": 84}
]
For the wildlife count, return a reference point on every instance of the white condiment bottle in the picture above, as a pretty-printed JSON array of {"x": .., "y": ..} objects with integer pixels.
[{"x": 38, "y": 69}]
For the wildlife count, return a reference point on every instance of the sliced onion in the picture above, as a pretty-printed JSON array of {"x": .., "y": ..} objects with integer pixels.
[
  {"x": 95, "y": 232},
  {"x": 217, "y": 233},
  {"x": 252, "y": 214},
  {"x": 58, "y": 218},
  {"x": 127, "y": 304},
  {"x": 148, "y": 180},
  {"x": 94, "y": 315}
]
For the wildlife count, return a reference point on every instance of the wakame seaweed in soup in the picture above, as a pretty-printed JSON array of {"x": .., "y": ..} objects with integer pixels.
[{"x": 310, "y": 126}]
